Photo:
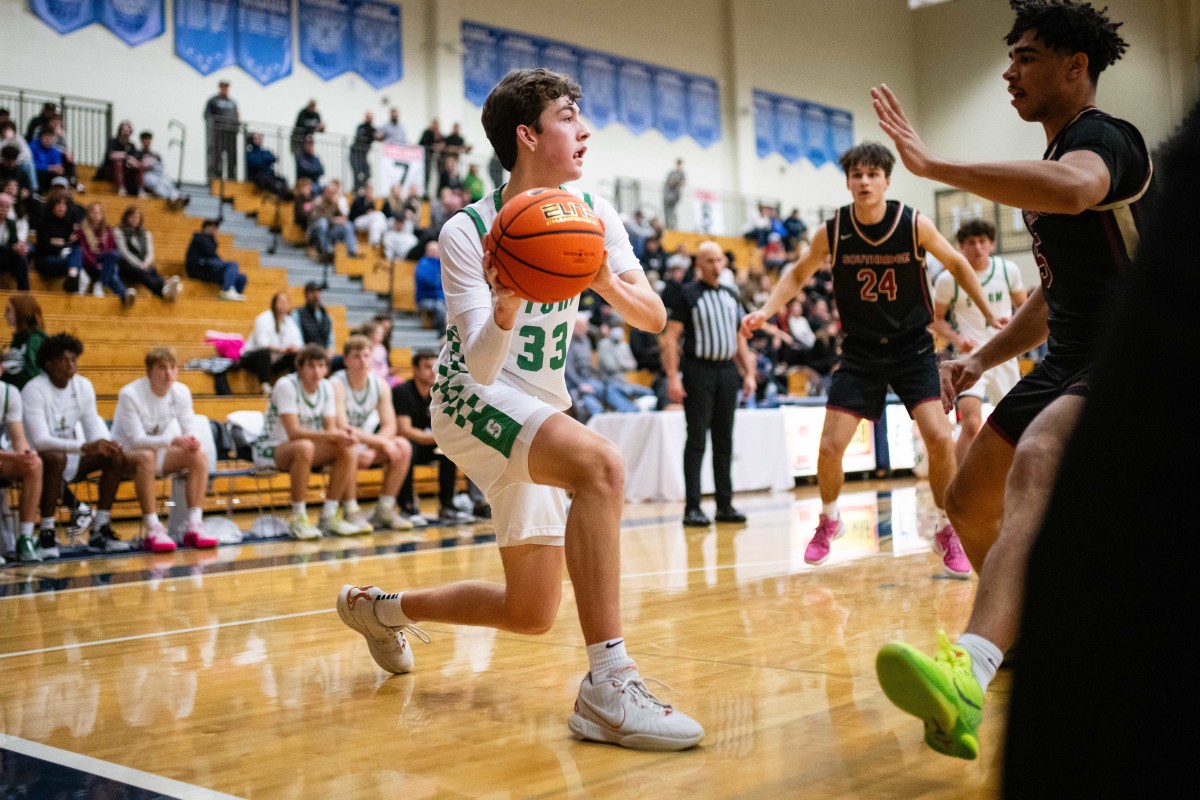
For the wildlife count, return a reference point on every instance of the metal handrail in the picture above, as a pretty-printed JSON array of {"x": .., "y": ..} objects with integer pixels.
[
  {"x": 181, "y": 140},
  {"x": 88, "y": 121}
]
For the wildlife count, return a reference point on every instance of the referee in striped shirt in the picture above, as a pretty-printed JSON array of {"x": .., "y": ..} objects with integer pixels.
[{"x": 703, "y": 344}]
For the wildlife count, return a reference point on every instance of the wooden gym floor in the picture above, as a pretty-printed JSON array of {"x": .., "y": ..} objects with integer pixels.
[{"x": 228, "y": 673}]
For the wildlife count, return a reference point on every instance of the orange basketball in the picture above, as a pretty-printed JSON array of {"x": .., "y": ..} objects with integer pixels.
[{"x": 547, "y": 245}]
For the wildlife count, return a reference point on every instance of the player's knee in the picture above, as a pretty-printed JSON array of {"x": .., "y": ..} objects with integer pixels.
[
  {"x": 31, "y": 469},
  {"x": 1035, "y": 459},
  {"x": 53, "y": 462},
  {"x": 303, "y": 449},
  {"x": 537, "y": 620},
  {"x": 956, "y": 504},
  {"x": 606, "y": 468}
]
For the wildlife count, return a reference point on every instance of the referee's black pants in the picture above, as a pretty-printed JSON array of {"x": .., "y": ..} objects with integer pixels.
[{"x": 710, "y": 400}]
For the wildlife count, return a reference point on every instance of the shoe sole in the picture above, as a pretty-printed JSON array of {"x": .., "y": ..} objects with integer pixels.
[
  {"x": 907, "y": 684},
  {"x": 584, "y": 728}
]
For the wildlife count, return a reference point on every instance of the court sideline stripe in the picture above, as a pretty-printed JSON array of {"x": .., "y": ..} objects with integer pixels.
[{"x": 113, "y": 772}]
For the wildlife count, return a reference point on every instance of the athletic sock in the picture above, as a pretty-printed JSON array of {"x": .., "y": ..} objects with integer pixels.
[
  {"x": 388, "y": 610},
  {"x": 328, "y": 509},
  {"x": 386, "y": 502},
  {"x": 604, "y": 657},
  {"x": 985, "y": 657},
  {"x": 47, "y": 523},
  {"x": 195, "y": 515},
  {"x": 150, "y": 520},
  {"x": 299, "y": 509},
  {"x": 103, "y": 518},
  {"x": 27, "y": 529},
  {"x": 830, "y": 510},
  {"x": 942, "y": 520},
  {"x": 350, "y": 507}
]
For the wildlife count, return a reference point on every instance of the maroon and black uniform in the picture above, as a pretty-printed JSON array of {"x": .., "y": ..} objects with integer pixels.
[
  {"x": 1083, "y": 260},
  {"x": 882, "y": 296}
]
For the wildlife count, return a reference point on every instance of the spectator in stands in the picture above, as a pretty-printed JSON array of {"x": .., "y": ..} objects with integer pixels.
[
  {"x": 798, "y": 345},
  {"x": 647, "y": 354},
  {"x": 308, "y": 122},
  {"x": 430, "y": 297},
  {"x": 101, "y": 259},
  {"x": 411, "y": 401},
  {"x": 672, "y": 192},
  {"x": 590, "y": 392},
  {"x": 473, "y": 184},
  {"x": 221, "y": 124},
  {"x": 393, "y": 131},
  {"x": 638, "y": 232},
  {"x": 260, "y": 168},
  {"x": 454, "y": 144},
  {"x": 402, "y": 238},
  {"x": 23, "y": 314},
  {"x": 135, "y": 245},
  {"x": 774, "y": 255},
  {"x": 14, "y": 249},
  {"x": 797, "y": 232},
  {"x": 75, "y": 211},
  {"x": 654, "y": 260},
  {"x": 448, "y": 204},
  {"x": 20, "y": 465},
  {"x": 42, "y": 120},
  {"x": 154, "y": 179},
  {"x": 380, "y": 360},
  {"x": 122, "y": 165},
  {"x": 434, "y": 143},
  {"x": 614, "y": 358},
  {"x": 12, "y": 170},
  {"x": 448, "y": 174},
  {"x": 54, "y": 403},
  {"x": 308, "y": 164},
  {"x": 365, "y": 135},
  {"x": 154, "y": 422},
  {"x": 273, "y": 344},
  {"x": 23, "y": 207},
  {"x": 366, "y": 217},
  {"x": 329, "y": 223},
  {"x": 60, "y": 141},
  {"x": 47, "y": 160},
  {"x": 302, "y": 204},
  {"x": 57, "y": 253},
  {"x": 9, "y": 136},
  {"x": 365, "y": 408},
  {"x": 300, "y": 432},
  {"x": 204, "y": 263},
  {"x": 312, "y": 318}
]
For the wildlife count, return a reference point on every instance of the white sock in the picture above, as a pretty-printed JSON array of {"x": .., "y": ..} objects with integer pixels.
[
  {"x": 386, "y": 502},
  {"x": 328, "y": 509},
  {"x": 830, "y": 510},
  {"x": 103, "y": 517},
  {"x": 604, "y": 657},
  {"x": 985, "y": 657},
  {"x": 195, "y": 515},
  {"x": 47, "y": 523},
  {"x": 942, "y": 521},
  {"x": 27, "y": 529},
  {"x": 351, "y": 506},
  {"x": 150, "y": 520},
  {"x": 389, "y": 611},
  {"x": 299, "y": 508}
]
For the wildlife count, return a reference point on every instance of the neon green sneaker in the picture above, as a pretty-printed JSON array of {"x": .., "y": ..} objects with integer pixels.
[{"x": 941, "y": 692}]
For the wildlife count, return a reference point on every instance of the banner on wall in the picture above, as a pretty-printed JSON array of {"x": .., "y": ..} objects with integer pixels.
[
  {"x": 797, "y": 129},
  {"x": 134, "y": 22},
  {"x": 64, "y": 16},
  {"x": 325, "y": 45},
  {"x": 402, "y": 164},
  {"x": 639, "y": 95},
  {"x": 709, "y": 216},
  {"x": 204, "y": 34},
  {"x": 377, "y": 48},
  {"x": 264, "y": 39}
]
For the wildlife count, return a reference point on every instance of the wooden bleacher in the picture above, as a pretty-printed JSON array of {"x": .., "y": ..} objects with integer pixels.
[{"x": 116, "y": 339}]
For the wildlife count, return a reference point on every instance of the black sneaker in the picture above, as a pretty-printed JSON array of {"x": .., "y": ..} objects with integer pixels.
[
  {"x": 695, "y": 518},
  {"x": 730, "y": 514},
  {"x": 482, "y": 510},
  {"x": 103, "y": 540},
  {"x": 452, "y": 516},
  {"x": 47, "y": 543}
]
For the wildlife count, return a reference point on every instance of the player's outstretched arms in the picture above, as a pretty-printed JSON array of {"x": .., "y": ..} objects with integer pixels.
[{"x": 790, "y": 282}]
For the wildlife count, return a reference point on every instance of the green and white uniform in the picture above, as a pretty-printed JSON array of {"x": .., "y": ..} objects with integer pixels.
[
  {"x": 487, "y": 429},
  {"x": 999, "y": 281},
  {"x": 289, "y": 397},
  {"x": 362, "y": 407}
]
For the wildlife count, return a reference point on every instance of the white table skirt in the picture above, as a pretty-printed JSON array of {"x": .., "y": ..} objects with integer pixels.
[{"x": 652, "y": 444}]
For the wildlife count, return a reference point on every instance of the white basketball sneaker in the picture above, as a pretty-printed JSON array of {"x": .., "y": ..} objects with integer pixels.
[
  {"x": 389, "y": 648},
  {"x": 621, "y": 710}
]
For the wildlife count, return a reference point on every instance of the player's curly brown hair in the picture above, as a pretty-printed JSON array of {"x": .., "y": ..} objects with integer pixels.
[
  {"x": 1072, "y": 27},
  {"x": 519, "y": 99}
]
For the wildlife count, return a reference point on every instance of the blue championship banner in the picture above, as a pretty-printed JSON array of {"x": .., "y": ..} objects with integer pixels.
[
  {"x": 325, "y": 37},
  {"x": 204, "y": 33},
  {"x": 764, "y": 124},
  {"x": 481, "y": 61},
  {"x": 797, "y": 129},
  {"x": 598, "y": 76},
  {"x": 670, "y": 109},
  {"x": 264, "y": 39},
  {"x": 134, "y": 22},
  {"x": 64, "y": 16},
  {"x": 789, "y": 133},
  {"x": 377, "y": 44},
  {"x": 703, "y": 110},
  {"x": 636, "y": 101}
]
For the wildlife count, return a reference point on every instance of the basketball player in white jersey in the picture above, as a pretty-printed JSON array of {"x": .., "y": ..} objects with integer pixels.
[
  {"x": 497, "y": 412},
  {"x": 301, "y": 431},
  {"x": 20, "y": 462},
  {"x": 364, "y": 405},
  {"x": 1001, "y": 282}
]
